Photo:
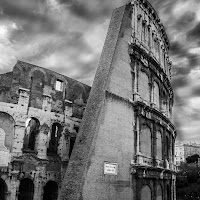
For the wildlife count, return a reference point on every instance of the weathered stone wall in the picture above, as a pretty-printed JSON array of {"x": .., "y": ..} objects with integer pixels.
[
  {"x": 29, "y": 92},
  {"x": 41, "y": 84}
]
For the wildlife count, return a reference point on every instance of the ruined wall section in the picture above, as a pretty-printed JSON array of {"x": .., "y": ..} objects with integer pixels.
[
  {"x": 40, "y": 85},
  {"x": 30, "y": 93}
]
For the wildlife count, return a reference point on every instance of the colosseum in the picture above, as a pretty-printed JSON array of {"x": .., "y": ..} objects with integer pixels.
[
  {"x": 125, "y": 146},
  {"x": 61, "y": 139}
]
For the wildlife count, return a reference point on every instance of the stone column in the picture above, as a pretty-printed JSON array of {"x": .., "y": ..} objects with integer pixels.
[
  {"x": 136, "y": 73},
  {"x": 14, "y": 187},
  {"x": 138, "y": 136},
  {"x": 41, "y": 142},
  {"x": 18, "y": 140},
  {"x": 38, "y": 184},
  {"x": 170, "y": 153},
  {"x": 135, "y": 18},
  {"x": 68, "y": 108},
  {"x": 152, "y": 100},
  {"x": 174, "y": 186},
  {"x": 46, "y": 105}
]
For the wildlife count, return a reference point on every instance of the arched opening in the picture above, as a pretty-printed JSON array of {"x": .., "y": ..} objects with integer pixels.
[
  {"x": 26, "y": 189},
  {"x": 168, "y": 193},
  {"x": 143, "y": 86},
  {"x": 159, "y": 193},
  {"x": 31, "y": 131},
  {"x": 54, "y": 137},
  {"x": 7, "y": 130},
  {"x": 156, "y": 96},
  {"x": 146, "y": 193},
  {"x": 145, "y": 141},
  {"x": 50, "y": 191},
  {"x": 167, "y": 147},
  {"x": 159, "y": 145},
  {"x": 3, "y": 189},
  {"x": 164, "y": 104}
]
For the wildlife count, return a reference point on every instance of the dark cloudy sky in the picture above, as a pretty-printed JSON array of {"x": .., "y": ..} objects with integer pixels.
[{"x": 67, "y": 36}]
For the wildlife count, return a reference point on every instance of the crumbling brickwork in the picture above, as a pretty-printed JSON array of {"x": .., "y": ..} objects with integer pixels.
[{"x": 40, "y": 115}]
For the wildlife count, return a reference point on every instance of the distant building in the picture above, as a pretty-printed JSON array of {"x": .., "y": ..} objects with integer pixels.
[{"x": 183, "y": 150}]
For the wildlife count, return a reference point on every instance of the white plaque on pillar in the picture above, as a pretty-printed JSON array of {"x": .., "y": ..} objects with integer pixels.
[
  {"x": 4, "y": 153},
  {"x": 110, "y": 168}
]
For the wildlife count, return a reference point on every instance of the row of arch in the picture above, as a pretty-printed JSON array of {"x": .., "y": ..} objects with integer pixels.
[
  {"x": 26, "y": 190},
  {"x": 153, "y": 93},
  {"x": 163, "y": 147},
  {"x": 50, "y": 191},
  {"x": 146, "y": 193},
  {"x": 53, "y": 136},
  {"x": 32, "y": 130},
  {"x": 31, "y": 133}
]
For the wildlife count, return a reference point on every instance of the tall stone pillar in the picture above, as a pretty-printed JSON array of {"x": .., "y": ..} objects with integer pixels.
[
  {"x": 38, "y": 184},
  {"x": 18, "y": 140},
  {"x": 14, "y": 187},
  {"x": 97, "y": 147}
]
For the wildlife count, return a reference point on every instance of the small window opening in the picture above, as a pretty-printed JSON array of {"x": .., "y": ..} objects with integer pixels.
[
  {"x": 72, "y": 141},
  {"x": 59, "y": 85},
  {"x": 54, "y": 140},
  {"x": 31, "y": 131}
]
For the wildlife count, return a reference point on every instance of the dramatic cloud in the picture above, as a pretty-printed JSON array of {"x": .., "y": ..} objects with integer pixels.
[
  {"x": 67, "y": 36},
  {"x": 194, "y": 33}
]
